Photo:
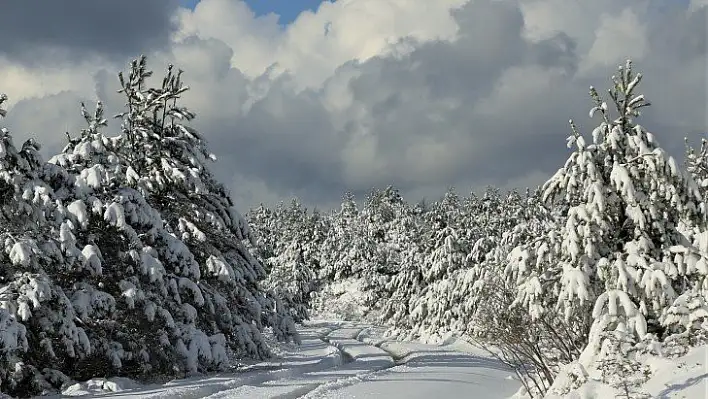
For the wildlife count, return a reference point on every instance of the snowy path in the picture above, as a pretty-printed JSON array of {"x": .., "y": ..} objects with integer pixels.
[{"x": 345, "y": 360}]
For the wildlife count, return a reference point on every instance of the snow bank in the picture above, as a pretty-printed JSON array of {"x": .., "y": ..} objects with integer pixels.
[
  {"x": 97, "y": 386},
  {"x": 681, "y": 377},
  {"x": 684, "y": 377}
]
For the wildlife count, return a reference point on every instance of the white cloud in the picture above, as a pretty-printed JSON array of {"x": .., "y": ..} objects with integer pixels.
[
  {"x": 22, "y": 82},
  {"x": 617, "y": 38},
  {"x": 578, "y": 19},
  {"x": 252, "y": 39},
  {"x": 315, "y": 44}
]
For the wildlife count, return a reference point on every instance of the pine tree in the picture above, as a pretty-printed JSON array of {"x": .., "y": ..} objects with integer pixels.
[
  {"x": 137, "y": 292},
  {"x": 291, "y": 279},
  {"x": 39, "y": 329},
  {"x": 265, "y": 226},
  {"x": 176, "y": 180},
  {"x": 619, "y": 366},
  {"x": 295, "y": 261},
  {"x": 423, "y": 285},
  {"x": 447, "y": 239},
  {"x": 389, "y": 228},
  {"x": 343, "y": 250},
  {"x": 167, "y": 239},
  {"x": 631, "y": 236}
]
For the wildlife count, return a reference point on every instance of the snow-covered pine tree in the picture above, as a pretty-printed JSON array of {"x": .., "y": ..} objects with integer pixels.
[
  {"x": 697, "y": 165},
  {"x": 531, "y": 347},
  {"x": 294, "y": 264},
  {"x": 345, "y": 252},
  {"x": 632, "y": 236},
  {"x": 423, "y": 286},
  {"x": 172, "y": 172},
  {"x": 619, "y": 366},
  {"x": 446, "y": 237},
  {"x": 137, "y": 304},
  {"x": 291, "y": 279},
  {"x": 405, "y": 287},
  {"x": 342, "y": 250},
  {"x": 265, "y": 226},
  {"x": 198, "y": 302},
  {"x": 318, "y": 227},
  {"x": 388, "y": 223},
  {"x": 688, "y": 316},
  {"x": 487, "y": 218},
  {"x": 38, "y": 326}
]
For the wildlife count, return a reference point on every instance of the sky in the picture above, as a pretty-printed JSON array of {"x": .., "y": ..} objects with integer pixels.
[
  {"x": 287, "y": 10},
  {"x": 355, "y": 94}
]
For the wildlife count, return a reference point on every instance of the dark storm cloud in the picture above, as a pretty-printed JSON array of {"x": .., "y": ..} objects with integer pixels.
[
  {"x": 680, "y": 36},
  {"x": 35, "y": 31},
  {"x": 286, "y": 140},
  {"x": 676, "y": 74}
]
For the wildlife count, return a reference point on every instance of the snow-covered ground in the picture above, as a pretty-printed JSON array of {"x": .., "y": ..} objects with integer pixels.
[
  {"x": 685, "y": 377},
  {"x": 352, "y": 360},
  {"x": 339, "y": 360}
]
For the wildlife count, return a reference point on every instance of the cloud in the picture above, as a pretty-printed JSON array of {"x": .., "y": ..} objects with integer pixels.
[
  {"x": 422, "y": 95},
  {"x": 45, "y": 33},
  {"x": 624, "y": 28},
  {"x": 23, "y": 82},
  {"x": 48, "y": 117},
  {"x": 316, "y": 44}
]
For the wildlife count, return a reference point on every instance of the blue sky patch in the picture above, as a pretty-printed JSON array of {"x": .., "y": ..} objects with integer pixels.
[{"x": 288, "y": 10}]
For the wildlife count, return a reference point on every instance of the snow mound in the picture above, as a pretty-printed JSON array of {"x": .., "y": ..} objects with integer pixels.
[
  {"x": 96, "y": 386},
  {"x": 684, "y": 377},
  {"x": 681, "y": 377}
]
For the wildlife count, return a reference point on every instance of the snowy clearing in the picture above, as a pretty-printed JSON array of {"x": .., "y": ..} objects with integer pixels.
[{"x": 338, "y": 360}]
